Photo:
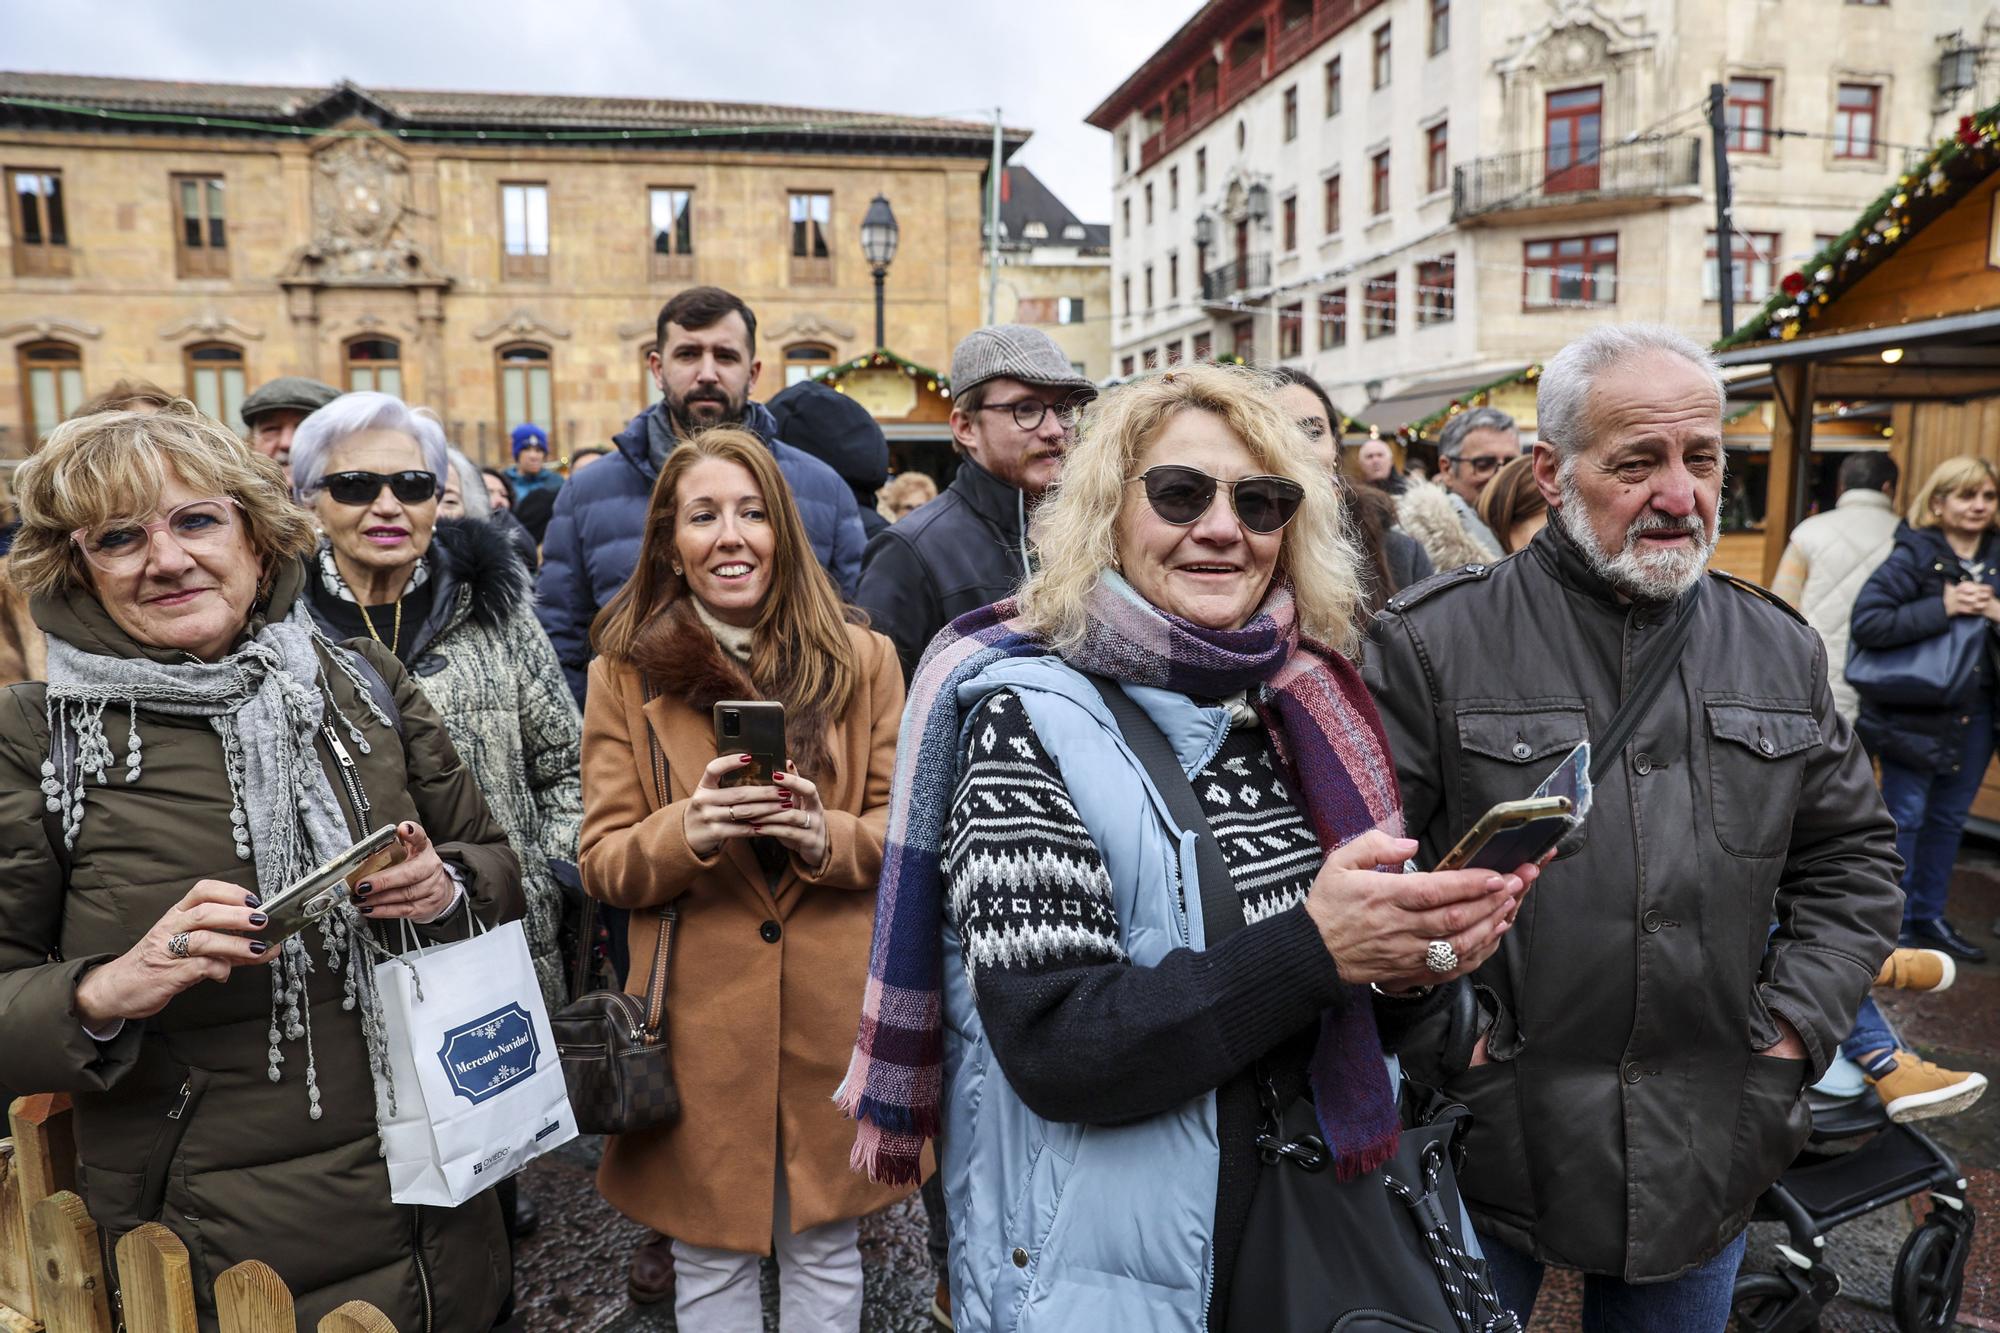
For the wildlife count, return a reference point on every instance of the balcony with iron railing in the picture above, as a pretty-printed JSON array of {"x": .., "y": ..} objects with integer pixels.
[
  {"x": 1576, "y": 183},
  {"x": 1238, "y": 275}
]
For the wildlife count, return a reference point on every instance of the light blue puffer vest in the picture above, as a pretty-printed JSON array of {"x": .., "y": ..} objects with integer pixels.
[{"x": 1061, "y": 1227}]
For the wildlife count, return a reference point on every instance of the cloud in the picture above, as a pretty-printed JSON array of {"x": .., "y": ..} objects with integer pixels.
[{"x": 1045, "y": 62}]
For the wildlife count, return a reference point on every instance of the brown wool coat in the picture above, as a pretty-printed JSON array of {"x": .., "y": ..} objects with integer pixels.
[
  {"x": 761, "y": 1030},
  {"x": 23, "y": 653}
]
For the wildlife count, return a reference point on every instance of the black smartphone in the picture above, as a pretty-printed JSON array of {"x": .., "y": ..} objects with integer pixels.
[
  {"x": 1512, "y": 834},
  {"x": 755, "y": 728}
]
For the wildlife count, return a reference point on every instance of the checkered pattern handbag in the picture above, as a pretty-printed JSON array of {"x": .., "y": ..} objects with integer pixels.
[{"x": 616, "y": 1058}]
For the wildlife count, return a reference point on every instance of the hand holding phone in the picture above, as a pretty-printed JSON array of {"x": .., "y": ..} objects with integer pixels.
[
  {"x": 1511, "y": 834},
  {"x": 755, "y": 727}
]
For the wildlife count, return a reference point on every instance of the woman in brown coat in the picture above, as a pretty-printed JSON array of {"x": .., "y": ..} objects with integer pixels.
[{"x": 774, "y": 884}]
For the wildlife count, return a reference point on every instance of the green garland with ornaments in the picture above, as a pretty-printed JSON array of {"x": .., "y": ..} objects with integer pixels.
[
  {"x": 930, "y": 381},
  {"x": 1414, "y": 432},
  {"x": 1917, "y": 198}
]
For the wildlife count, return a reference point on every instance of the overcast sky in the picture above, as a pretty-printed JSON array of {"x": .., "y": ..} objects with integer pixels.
[{"x": 1046, "y": 62}]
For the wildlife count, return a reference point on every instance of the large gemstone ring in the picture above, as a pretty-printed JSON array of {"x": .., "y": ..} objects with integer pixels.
[{"x": 1439, "y": 956}]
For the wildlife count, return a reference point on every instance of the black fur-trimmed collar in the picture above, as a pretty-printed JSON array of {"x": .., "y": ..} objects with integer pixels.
[{"x": 472, "y": 553}]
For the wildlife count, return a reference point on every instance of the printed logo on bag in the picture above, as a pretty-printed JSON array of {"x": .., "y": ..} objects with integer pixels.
[{"x": 487, "y": 1056}]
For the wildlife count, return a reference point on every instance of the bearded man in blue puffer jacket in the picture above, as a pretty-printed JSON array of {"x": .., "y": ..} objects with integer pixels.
[{"x": 704, "y": 364}]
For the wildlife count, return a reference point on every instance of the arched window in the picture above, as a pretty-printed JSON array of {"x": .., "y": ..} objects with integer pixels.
[
  {"x": 215, "y": 376},
  {"x": 375, "y": 364},
  {"x": 647, "y": 384},
  {"x": 804, "y": 360},
  {"x": 527, "y": 387},
  {"x": 51, "y": 386}
]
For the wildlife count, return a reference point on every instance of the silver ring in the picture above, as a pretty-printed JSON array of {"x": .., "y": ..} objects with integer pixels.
[
  {"x": 1440, "y": 957},
  {"x": 178, "y": 945}
]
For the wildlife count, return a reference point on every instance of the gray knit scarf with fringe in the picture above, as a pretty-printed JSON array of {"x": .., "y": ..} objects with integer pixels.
[{"x": 267, "y": 701}]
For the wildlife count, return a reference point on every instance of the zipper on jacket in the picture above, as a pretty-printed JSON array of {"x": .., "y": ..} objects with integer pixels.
[
  {"x": 349, "y": 778},
  {"x": 423, "y": 1274}
]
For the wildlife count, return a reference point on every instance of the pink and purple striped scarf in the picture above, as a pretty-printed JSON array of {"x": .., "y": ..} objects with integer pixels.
[{"x": 1327, "y": 734}]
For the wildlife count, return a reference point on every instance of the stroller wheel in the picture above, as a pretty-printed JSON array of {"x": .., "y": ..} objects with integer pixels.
[
  {"x": 1930, "y": 1276},
  {"x": 1783, "y": 1302}
]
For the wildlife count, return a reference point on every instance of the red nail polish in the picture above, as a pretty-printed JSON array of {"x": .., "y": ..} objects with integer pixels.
[{"x": 745, "y": 759}]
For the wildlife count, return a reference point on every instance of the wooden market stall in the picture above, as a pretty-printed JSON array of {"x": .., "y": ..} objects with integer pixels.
[
  {"x": 912, "y": 404},
  {"x": 1901, "y": 313}
]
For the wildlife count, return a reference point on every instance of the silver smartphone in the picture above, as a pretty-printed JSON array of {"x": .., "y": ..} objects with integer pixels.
[{"x": 317, "y": 893}]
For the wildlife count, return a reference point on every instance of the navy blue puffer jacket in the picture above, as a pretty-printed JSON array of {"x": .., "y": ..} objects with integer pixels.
[
  {"x": 592, "y": 543},
  {"x": 1903, "y": 602}
]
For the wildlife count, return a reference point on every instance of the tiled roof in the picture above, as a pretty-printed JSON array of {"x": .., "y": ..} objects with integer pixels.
[{"x": 430, "y": 108}]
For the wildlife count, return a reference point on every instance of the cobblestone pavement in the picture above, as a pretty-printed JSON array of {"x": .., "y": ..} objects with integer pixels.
[{"x": 571, "y": 1274}]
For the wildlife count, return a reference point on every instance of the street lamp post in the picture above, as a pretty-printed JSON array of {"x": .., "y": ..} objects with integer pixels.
[{"x": 878, "y": 243}]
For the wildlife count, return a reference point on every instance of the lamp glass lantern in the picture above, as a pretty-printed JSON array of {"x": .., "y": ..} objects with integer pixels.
[
  {"x": 878, "y": 245},
  {"x": 1204, "y": 231},
  {"x": 1260, "y": 202}
]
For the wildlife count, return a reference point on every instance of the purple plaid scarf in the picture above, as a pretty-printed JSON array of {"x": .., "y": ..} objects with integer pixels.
[{"x": 1327, "y": 733}]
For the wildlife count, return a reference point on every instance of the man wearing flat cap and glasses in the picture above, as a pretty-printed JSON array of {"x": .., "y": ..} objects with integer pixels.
[{"x": 1013, "y": 413}]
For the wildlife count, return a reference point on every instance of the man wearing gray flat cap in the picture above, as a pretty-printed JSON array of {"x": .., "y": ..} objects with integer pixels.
[
  {"x": 274, "y": 410},
  {"x": 1014, "y": 405}
]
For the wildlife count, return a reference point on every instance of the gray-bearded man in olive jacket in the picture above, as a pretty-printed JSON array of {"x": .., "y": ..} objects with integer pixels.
[{"x": 1648, "y": 1035}]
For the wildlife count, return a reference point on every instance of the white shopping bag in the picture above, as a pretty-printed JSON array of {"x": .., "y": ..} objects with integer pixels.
[{"x": 478, "y": 1089}]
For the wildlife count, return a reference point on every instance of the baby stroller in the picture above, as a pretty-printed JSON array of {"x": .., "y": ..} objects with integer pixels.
[{"x": 1855, "y": 1161}]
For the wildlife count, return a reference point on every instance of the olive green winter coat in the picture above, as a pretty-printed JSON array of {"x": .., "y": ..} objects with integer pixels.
[{"x": 177, "y": 1120}]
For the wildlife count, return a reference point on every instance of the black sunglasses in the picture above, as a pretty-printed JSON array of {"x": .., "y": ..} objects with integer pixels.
[
  {"x": 1181, "y": 495},
  {"x": 361, "y": 488}
]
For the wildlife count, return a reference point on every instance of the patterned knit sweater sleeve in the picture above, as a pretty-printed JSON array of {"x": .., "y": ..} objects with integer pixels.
[{"x": 1083, "y": 1033}]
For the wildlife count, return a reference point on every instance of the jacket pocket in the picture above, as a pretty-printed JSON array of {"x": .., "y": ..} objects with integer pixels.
[
  {"x": 167, "y": 1144},
  {"x": 1495, "y": 1178},
  {"x": 1772, "y": 1122},
  {"x": 1757, "y": 754},
  {"x": 1505, "y": 750}
]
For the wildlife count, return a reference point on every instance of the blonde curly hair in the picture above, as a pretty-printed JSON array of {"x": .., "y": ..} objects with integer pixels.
[
  {"x": 1076, "y": 529},
  {"x": 115, "y": 464}
]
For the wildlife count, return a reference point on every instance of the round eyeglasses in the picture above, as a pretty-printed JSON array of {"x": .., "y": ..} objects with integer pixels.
[
  {"x": 1030, "y": 412},
  {"x": 121, "y": 546}
]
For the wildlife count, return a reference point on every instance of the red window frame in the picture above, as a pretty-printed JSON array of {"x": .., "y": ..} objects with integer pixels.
[
  {"x": 1588, "y": 261},
  {"x": 1572, "y": 138},
  {"x": 1747, "y": 115},
  {"x": 1378, "y": 306},
  {"x": 1382, "y": 50},
  {"x": 1378, "y": 183},
  {"x": 1437, "y": 157},
  {"x": 1292, "y": 330},
  {"x": 1857, "y": 128},
  {"x": 1333, "y": 319},
  {"x": 1753, "y": 267},
  {"x": 1437, "y": 290},
  {"x": 1332, "y": 204}
]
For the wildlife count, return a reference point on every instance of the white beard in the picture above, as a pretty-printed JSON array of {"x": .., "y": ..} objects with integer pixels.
[{"x": 1645, "y": 576}]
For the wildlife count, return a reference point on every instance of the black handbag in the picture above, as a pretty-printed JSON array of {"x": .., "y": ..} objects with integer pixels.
[
  {"x": 1377, "y": 1253},
  {"x": 615, "y": 1054}
]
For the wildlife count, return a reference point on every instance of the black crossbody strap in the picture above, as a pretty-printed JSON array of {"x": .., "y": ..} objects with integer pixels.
[
  {"x": 1221, "y": 909},
  {"x": 1646, "y": 690}
]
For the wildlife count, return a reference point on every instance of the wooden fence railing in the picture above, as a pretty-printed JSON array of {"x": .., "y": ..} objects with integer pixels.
[{"x": 51, "y": 1266}]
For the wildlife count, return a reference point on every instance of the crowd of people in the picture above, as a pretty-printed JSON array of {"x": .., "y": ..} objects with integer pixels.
[{"x": 1101, "y": 895}]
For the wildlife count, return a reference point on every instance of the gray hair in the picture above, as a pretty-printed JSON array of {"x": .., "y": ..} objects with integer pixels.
[
  {"x": 1451, "y": 440},
  {"x": 1562, "y": 399},
  {"x": 471, "y": 486},
  {"x": 349, "y": 415}
]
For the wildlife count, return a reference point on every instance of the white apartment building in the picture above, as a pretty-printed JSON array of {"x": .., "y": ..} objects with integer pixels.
[{"x": 1408, "y": 198}]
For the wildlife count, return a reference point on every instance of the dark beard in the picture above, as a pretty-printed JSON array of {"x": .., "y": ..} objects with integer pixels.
[{"x": 686, "y": 423}]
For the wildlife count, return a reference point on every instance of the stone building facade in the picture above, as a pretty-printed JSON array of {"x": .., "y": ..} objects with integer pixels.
[
  {"x": 1411, "y": 197},
  {"x": 1055, "y": 271},
  {"x": 496, "y": 257}
]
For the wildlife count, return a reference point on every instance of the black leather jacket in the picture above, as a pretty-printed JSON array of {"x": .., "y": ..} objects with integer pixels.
[
  {"x": 964, "y": 550},
  {"x": 1626, "y": 1120}
]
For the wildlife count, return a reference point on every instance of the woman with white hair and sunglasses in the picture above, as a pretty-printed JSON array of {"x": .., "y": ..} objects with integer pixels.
[{"x": 454, "y": 603}]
